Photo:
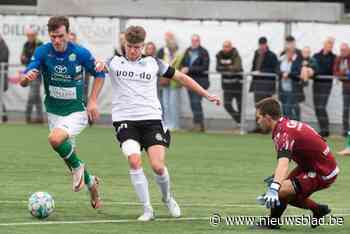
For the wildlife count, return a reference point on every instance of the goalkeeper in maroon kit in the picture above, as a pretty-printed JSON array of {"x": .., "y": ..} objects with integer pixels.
[{"x": 316, "y": 167}]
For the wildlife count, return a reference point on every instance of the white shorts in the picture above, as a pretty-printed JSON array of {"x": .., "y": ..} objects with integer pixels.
[{"x": 73, "y": 123}]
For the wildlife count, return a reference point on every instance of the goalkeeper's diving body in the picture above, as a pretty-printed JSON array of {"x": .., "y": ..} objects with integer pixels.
[
  {"x": 60, "y": 64},
  {"x": 137, "y": 115},
  {"x": 316, "y": 167}
]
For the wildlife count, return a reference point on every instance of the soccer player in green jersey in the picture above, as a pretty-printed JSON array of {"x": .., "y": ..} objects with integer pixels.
[{"x": 60, "y": 64}]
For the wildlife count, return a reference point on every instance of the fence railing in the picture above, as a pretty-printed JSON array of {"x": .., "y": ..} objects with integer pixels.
[{"x": 247, "y": 114}]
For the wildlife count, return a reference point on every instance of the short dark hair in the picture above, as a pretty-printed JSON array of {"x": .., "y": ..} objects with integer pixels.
[
  {"x": 290, "y": 38},
  {"x": 56, "y": 22},
  {"x": 262, "y": 40},
  {"x": 269, "y": 106},
  {"x": 135, "y": 34}
]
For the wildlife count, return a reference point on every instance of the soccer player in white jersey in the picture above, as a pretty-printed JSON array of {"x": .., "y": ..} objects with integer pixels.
[{"x": 137, "y": 115}]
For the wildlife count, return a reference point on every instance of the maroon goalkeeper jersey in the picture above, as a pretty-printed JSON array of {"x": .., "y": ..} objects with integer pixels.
[{"x": 302, "y": 144}]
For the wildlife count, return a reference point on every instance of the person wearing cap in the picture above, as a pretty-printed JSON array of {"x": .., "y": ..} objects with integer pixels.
[
  {"x": 34, "y": 98},
  {"x": 264, "y": 61},
  {"x": 290, "y": 44}
]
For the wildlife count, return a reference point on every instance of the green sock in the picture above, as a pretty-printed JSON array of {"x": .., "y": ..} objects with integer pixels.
[
  {"x": 66, "y": 151},
  {"x": 348, "y": 140},
  {"x": 87, "y": 178}
]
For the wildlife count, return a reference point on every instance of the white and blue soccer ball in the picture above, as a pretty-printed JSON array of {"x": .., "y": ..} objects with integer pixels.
[{"x": 41, "y": 205}]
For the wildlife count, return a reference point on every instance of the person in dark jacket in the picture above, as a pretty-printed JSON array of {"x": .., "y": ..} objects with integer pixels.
[
  {"x": 229, "y": 63},
  {"x": 195, "y": 63},
  {"x": 265, "y": 61},
  {"x": 121, "y": 50},
  {"x": 34, "y": 98},
  {"x": 322, "y": 86},
  {"x": 4, "y": 59}
]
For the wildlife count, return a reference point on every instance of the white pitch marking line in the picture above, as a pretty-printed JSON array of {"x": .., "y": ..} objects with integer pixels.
[
  {"x": 159, "y": 204},
  {"x": 118, "y": 221},
  {"x": 104, "y": 221}
]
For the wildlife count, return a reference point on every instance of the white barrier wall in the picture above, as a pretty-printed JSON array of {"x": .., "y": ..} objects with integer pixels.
[
  {"x": 97, "y": 34},
  {"x": 100, "y": 35},
  {"x": 313, "y": 35}
]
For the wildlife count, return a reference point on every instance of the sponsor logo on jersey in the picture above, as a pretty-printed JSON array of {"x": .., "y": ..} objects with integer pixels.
[
  {"x": 61, "y": 74},
  {"x": 131, "y": 75},
  {"x": 72, "y": 57},
  {"x": 78, "y": 69},
  {"x": 60, "y": 69}
]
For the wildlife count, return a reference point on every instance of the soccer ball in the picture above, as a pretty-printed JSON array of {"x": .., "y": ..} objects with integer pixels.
[{"x": 41, "y": 205}]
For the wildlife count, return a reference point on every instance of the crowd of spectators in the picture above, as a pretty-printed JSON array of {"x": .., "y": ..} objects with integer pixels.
[{"x": 283, "y": 74}]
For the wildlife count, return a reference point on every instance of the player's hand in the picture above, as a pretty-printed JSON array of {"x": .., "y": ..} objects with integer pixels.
[
  {"x": 100, "y": 66},
  {"x": 92, "y": 110},
  {"x": 185, "y": 70},
  {"x": 214, "y": 98},
  {"x": 29, "y": 76},
  {"x": 255, "y": 73},
  {"x": 271, "y": 197}
]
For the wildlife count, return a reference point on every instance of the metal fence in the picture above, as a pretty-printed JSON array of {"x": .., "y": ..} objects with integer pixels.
[{"x": 218, "y": 118}]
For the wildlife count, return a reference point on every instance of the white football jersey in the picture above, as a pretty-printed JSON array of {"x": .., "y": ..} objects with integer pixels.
[{"x": 134, "y": 87}]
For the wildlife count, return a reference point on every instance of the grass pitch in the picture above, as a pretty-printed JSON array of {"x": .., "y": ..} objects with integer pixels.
[{"x": 210, "y": 173}]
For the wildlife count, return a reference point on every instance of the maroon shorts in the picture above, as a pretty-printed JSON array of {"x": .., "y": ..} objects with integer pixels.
[{"x": 306, "y": 183}]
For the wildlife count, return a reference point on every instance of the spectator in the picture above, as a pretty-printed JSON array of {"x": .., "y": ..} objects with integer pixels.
[
  {"x": 228, "y": 63},
  {"x": 121, "y": 50},
  {"x": 309, "y": 65},
  {"x": 341, "y": 70},
  {"x": 290, "y": 67},
  {"x": 290, "y": 44},
  {"x": 322, "y": 86},
  {"x": 73, "y": 37},
  {"x": 196, "y": 64},
  {"x": 34, "y": 98},
  {"x": 170, "y": 88},
  {"x": 4, "y": 59},
  {"x": 150, "y": 49},
  {"x": 265, "y": 61}
]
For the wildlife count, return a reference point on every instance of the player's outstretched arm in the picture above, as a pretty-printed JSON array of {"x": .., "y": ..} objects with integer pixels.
[
  {"x": 92, "y": 108},
  {"x": 281, "y": 172},
  {"x": 29, "y": 77},
  {"x": 191, "y": 84}
]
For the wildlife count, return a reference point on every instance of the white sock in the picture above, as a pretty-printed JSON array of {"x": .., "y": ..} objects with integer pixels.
[
  {"x": 163, "y": 182},
  {"x": 139, "y": 180}
]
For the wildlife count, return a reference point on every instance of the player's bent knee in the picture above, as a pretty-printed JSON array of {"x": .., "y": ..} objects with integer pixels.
[
  {"x": 54, "y": 140},
  {"x": 158, "y": 169},
  {"x": 131, "y": 147},
  {"x": 134, "y": 161}
]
